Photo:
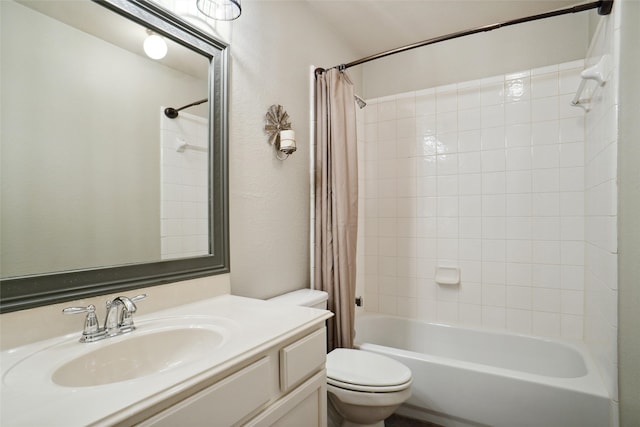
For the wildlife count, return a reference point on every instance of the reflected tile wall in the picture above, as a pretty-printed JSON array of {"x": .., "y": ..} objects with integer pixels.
[
  {"x": 184, "y": 187},
  {"x": 486, "y": 175}
]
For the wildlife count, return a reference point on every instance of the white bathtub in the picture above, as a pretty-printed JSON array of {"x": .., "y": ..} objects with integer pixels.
[{"x": 467, "y": 377}]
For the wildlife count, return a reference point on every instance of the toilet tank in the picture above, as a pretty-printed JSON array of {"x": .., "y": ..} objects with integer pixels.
[{"x": 304, "y": 297}]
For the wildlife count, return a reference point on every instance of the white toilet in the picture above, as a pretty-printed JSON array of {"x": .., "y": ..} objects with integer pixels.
[{"x": 364, "y": 388}]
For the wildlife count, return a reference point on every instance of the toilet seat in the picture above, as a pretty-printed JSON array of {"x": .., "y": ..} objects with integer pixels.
[
  {"x": 364, "y": 371},
  {"x": 368, "y": 389}
]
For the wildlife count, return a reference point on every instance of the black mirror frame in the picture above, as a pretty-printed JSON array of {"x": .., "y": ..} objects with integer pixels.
[{"x": 38, "y": 290}]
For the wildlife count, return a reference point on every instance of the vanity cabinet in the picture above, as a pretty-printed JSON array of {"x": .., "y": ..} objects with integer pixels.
[{"x": 284, "y": 385}]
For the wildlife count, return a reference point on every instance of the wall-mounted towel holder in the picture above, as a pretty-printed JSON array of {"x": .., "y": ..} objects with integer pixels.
[
  {"x": 183, "y": 145},
  {"x": 597, "y": 73}
]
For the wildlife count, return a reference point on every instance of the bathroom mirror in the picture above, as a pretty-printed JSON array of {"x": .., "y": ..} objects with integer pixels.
[{"x": 101, "y": 190}]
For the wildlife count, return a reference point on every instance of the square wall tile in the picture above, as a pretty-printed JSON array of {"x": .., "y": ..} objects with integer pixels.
[
  {"x": 546, "y": 156},
  {"x": 493, "y": 295},
  {"x": 494, "y": 317},
  {"x": 469, "y": 162},
  {"x": 387, "y": 111},
  {"x": 518, "y": 135},
  {"x": 572, "y": 154},
  {"x": 492, "y": 91},
  {"x": 519, "y": 158},
  {"x": 470, "y": 206},
  {"x": 493, "y": 116},
  {"x": 544, "y": 109},
  {"x": 447, "y": 122},
  {"x": 493, "y": 160},
  {"x": 425, "y": 102},
  {"x": 469, "y": 140},
  {"x": 571, "y": 129},
  {"x": 519, "y": 228},
  {"x": 517, "y": 112},
  {"x": 470, "y": 249},
  {"x": 519, "y": 251},
  {"x": 519, "y": 321},
  {"x": 406, "y": 127},
  {"x": 518, "y": 182},
  {"x": 493, "y": 138},
  {"x": 519, "y": 297},
  {"x": 406, "y": 107},
  {"x": 470, "y": 314},
  {"x": 517, "y": 87},
  {"x": 545, "y": 276},
  {"x": 469, "y": 119},
  {"x": 493, "y": 182},
  {"x": 469, "y": 95},
  {"x": 546, "y": 324},
  {"x": 544, "y": 85},
  {"x": 543, "y": 133},
  {"x": 519, "y": 274},
  {"x": 447, "y": 312}
]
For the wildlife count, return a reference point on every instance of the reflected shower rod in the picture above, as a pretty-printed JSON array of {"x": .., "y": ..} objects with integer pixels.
[
  {"x": 172, "y": 113},
  {"x": 603, "y": 6}
]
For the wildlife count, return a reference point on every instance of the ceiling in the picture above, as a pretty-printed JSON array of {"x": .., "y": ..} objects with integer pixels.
[{"x": 373, "y": 26}]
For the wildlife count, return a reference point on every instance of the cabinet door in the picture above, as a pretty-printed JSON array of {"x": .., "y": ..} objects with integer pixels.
[
  {"x": 222, "y": 404},
  {"x": 304, "y": 406},
  {"x": 306, "y": 413},
  {"x": 301, "y": 359}
]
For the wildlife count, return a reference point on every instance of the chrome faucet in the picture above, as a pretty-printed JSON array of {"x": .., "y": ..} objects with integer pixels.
[
  {"x": 119, "y": 312},
  {"x": 118, "y": 321}
]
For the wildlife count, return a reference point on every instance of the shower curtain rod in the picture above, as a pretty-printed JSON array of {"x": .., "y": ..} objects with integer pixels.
[
  {"x": 172, "y": 113},
  {"x": 604, "y": 8}
]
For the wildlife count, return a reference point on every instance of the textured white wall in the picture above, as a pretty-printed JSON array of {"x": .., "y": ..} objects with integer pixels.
[{"x": 273, "y": 44}]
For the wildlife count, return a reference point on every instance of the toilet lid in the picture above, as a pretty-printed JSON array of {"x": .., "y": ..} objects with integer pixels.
[{"x": 362, "y": 368}]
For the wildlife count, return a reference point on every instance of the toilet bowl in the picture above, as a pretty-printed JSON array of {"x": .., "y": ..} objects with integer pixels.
[{"x": 363, "y": 388}]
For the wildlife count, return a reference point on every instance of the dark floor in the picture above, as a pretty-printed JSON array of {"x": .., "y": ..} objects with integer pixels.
[{"x": 400, "y": 421}]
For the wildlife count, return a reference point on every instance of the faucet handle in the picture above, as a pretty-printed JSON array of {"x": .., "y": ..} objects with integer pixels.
[
  {"x": 138, "y": 297},
  {"x": 75, "y": 310},
  {"x": 126, "y": 322},
  {"x": 91, "y": 330}
]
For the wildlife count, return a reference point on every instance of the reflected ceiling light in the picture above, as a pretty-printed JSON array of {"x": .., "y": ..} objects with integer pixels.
[
  {"x": 154, "y": 46},
  {"x": 221, "y": 10}
]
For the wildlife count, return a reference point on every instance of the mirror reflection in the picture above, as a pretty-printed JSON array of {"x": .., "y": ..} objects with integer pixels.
[{"x": 94, "y": 173}]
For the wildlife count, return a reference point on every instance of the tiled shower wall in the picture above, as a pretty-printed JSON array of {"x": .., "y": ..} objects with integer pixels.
[
  {"x": 601, "y": 245},
  {"x": 487, "y": 176}
]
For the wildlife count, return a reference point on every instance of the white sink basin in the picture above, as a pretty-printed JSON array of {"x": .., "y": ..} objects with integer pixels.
[
  {"x": 155, "y": 347},
  {"x": 138, "y": 356}
]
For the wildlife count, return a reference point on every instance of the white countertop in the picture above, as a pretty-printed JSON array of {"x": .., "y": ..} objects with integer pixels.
[{"x": 33, "y": 399}]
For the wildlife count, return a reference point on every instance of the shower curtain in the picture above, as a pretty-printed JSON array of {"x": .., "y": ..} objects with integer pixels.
[{"x": 336, "y": 202}]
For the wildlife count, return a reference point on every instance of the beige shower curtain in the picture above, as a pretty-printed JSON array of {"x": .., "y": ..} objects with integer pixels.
[{"x": 336, "y": 202}]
